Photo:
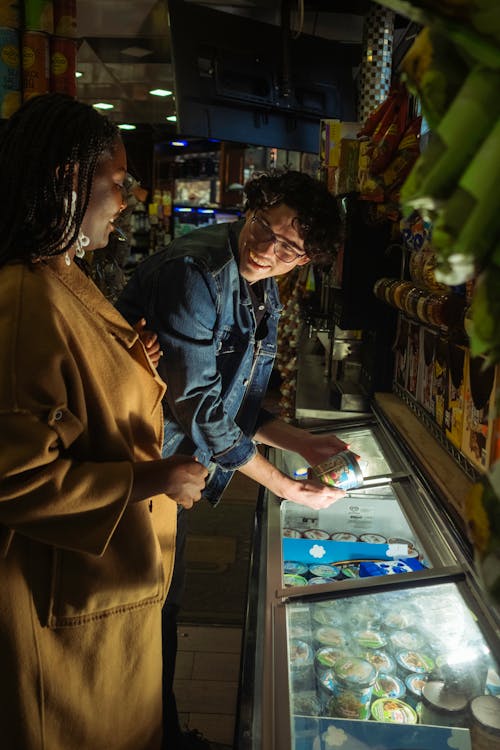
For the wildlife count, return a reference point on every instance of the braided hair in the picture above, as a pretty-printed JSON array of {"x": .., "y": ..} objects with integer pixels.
[
  {"x": 49, "y": 148},
  {"x": 318, "y": 220}
]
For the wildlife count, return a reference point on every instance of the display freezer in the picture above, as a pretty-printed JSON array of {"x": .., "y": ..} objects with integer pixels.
[{"x": 366, "y": 626}]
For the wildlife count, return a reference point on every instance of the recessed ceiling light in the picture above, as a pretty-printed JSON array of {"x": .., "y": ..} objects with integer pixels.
[
  {"x": 172, "y": 118},
  {"x": 160, "y": 92},
  {"x": 103, "y": 105},
  {"x": 178, "y": 143},
  {"x": 78, "y": 74},
  {"x": 126, "y": 126}
]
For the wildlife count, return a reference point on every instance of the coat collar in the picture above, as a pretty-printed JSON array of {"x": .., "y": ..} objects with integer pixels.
[{"x": 84, "y": 289}]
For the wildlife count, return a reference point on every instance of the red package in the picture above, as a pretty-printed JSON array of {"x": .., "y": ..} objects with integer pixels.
[{"x": 386, "y": 147}]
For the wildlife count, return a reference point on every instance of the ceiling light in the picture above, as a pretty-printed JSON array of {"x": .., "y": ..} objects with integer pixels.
[
  {"x": 78, "y": 74},
  {"x": 126, "y": 126},
  {"x": 160, "y": 92},
  {"x": 178, "y": 143},
  {"x": 103, "y": 105},
  {"x": 172, "y": 118}
]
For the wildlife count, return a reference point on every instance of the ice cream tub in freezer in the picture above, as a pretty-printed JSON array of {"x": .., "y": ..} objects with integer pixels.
[
  {"x": 341, "y": 470},
  {"x": 351, "y": 689}
]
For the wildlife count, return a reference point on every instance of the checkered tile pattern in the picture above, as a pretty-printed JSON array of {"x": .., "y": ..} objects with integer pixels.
[{"x": 376, "y": 63}]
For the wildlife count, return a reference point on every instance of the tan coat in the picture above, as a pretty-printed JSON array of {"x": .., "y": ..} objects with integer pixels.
[{"x": 83, "y": 575}]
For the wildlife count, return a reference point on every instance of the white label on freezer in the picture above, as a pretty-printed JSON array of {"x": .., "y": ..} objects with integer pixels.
[
  {"x": 317, "y": 551},
  {"x": 397, "y": 550}
]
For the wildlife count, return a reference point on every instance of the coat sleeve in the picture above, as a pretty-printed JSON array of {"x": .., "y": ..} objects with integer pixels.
[{"x": 185, "y": 313}]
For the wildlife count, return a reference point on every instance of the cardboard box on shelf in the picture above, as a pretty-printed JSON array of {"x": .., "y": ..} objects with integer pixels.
[
  {"x": 481, "y": 428},
  {"x": 440, "y": 380},
  {"x": 331, "y": 134},
  {"x": 425, "y": 374},
  {"x": 413, "y": 358},
  {"x": 455, "y": 396}
]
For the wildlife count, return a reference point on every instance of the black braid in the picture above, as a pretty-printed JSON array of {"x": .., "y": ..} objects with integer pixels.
[
  {"x": 318, "y": 216},
  {"x": 49, "y": 146}
]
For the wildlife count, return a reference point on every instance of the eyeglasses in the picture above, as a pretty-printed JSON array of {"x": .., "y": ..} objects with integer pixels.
[{"x": 262, "y": 234}]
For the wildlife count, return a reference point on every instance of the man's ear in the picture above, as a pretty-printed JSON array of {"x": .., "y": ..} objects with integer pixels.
[{"x": 303, "y": 261}]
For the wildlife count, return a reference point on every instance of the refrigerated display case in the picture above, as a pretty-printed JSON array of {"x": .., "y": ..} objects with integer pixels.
[{"x": 366, "y": 625}]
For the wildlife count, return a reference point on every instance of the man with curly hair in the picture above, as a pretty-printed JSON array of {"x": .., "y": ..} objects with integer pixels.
[{"x": 212, "y": 299}]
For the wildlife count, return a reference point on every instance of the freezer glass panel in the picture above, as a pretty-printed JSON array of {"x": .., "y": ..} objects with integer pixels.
[
  {"x": 363, "y": 442},
  {"x": 368, "y": 668},
  {"x": 363, "y": 534}
]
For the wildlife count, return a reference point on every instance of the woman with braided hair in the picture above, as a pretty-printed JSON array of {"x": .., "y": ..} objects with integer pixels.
[{"x": 87, "y": 505}]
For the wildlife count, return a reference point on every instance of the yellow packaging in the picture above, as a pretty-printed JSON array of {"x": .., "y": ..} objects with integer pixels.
[
  {"x": 481, "y": 427},
  {"x": 331, "y": 134},
  {"x": 347, "y": 179},
  {"x": 440, "y": 380},
  {"x": 454, "y": 409}
]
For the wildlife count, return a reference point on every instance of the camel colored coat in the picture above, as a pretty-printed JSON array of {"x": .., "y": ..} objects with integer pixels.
[{"x": 83, "y": 574}]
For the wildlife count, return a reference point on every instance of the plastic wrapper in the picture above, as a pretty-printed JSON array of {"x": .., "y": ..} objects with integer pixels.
[{"x": 386, "y": 147}]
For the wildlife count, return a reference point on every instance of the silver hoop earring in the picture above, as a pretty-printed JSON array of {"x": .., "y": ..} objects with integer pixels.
[
  {"x": 81, "y": 243},
  {"x": 67, "y": 259}
]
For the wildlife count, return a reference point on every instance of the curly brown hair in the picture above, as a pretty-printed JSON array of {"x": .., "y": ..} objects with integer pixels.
[{"x": 318, "y": 217}]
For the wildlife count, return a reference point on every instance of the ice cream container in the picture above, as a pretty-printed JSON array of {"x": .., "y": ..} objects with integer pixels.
[
  {"x": 485, "y": 723},
  {"x": 493, "y": 682},
  {"x": 306, "y": 703},
  {"x": 405, "y": 639},
  {"x": 331, "y": 615},
  {"x": 330, "y": 636},
  {"x": 381, "y": 660},
  {"x": 291, "y": 567},
  {"x": 442, "y": 706},
  {"x": 291, "y": 533},
  {"x": 349, "y": 571},
  {"x": 341, "y": 470},
  {"x": 393, "y": 711},
  {"x": 317, "y": 581},
  {"x": 397, "y": 620},
  {"x": 414, "y": 684},
  {"x": 373, "y": 539},
  {"x": 414, "y": 661},
  {"x": 315, "y": 534},
  {"x": 324, "y": 571},
  {"x": 388, "y": 686},
  {"x": 412, "y": 550},
  {"x": 326, "y": 656},
  {"x": 300, "y": 660},
  {"x": 352, "y": 687},
  {"x": 369, "y": 638},
  {"x": 343, "y": 536}
]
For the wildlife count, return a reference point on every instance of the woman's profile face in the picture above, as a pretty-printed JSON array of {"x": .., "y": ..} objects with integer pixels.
[{"x": 106, "y": 197}]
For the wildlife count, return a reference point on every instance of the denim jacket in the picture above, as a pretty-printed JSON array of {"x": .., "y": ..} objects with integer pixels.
[{"x": 216, "y": 372}]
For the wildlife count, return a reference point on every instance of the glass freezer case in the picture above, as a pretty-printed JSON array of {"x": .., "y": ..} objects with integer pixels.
[{"x": 366, "y": 627}]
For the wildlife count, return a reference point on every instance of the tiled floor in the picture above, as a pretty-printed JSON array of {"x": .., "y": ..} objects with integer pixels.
[{"x": 208, "y": 661}]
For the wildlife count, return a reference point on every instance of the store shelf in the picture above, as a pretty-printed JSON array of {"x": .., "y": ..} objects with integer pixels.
[{"x": 453, "y": 480}]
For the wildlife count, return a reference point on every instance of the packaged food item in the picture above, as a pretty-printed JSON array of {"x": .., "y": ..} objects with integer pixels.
[
  {"x": 326, "y": 656},
  {"x": 306, "y": 703},
  {"x": 291, "y": 567},
  {"x": 442, "y": 706},
  {"x": 393, "y": 711},
  {"x": 315, "y": 534},
  {"x": 300, "y": 660},
  {"x": 485, "y": 723},
  {"x": 341, "y": 470},
  {"x": 414, "y": 661},
  {"x": 369, "y": 638},
  {"x": 343, "y": 536},
  {"x": 388, "y": 686},
  {"x": 316, "y": 580},
  {"x": 349, "y": 571},
  {"x": 412, "y": 550},
  {"x": 330, "y": 615},
  {"x": 414, "y": 684},
  {"x": 287, "y": 533},
  {"x": 352, "y": 688},
  {"x": 381, "y": 660},
  {"x": 330, "y": 636},
  {"x": 330, "y": 572},
  {"x": 406, "y": 639},
  {"x": 373, "y": 539}
]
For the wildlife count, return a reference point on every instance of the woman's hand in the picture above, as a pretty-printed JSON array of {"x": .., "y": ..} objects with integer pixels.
[
  {"x": 180, "y": 477},
  {"x": 317, "y": 448},
  {"x": 312, "y": 493},
  {"x": 150, "y": 341},
  {"x": 185, "y": 479}
]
